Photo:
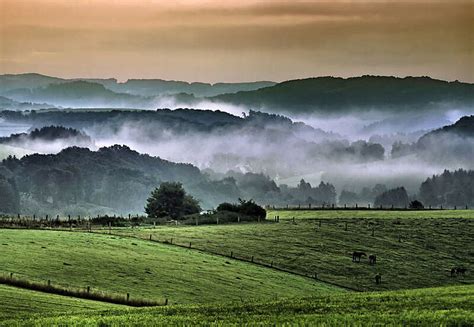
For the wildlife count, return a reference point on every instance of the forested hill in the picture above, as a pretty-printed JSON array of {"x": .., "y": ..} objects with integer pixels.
[
  {"x": 329, "y": 94},
  {"x": 117, "y": 179},
  {"x": 112, "y": 177},
  {"x": 464, "y": 127}
]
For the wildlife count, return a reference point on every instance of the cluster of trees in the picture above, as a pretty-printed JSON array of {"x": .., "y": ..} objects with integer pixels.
[
  {"x": 449, "y": 189},
  {"x": 323, "y": 194},
  {"x": 365, "y": 196},
  {"x": 396, "y": 197},
  {"x": 170, "y": 200}
]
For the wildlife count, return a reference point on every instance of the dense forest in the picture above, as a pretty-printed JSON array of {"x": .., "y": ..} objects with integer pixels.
[{"x": 118, "y": 180}]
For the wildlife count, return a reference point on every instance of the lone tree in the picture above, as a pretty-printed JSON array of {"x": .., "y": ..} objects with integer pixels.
[{"x": 171, "y": 200}]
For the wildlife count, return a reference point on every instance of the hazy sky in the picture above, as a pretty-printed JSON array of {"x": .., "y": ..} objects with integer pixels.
[{"x": 232, "y": 40}]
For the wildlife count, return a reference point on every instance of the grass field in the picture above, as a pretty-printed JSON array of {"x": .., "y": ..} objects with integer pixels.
[
  {"x": 413, "y": 251},
  {"x": 375, "y": 214},
  {"x": 19, "y": 302},
  {"x": 422, "y": 257},
  {"x": 424, "y": 307},
  {"x": 143, "y": 269}
]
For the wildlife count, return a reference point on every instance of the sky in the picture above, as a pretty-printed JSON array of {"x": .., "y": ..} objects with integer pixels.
[{"x": 231, "y": 41}]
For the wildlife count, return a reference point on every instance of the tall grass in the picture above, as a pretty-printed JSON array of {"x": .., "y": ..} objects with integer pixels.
[{"x": 85, "y": 293}]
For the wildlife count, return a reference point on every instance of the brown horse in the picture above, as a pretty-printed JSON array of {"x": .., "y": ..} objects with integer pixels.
[{"x": 356, "y": 255}]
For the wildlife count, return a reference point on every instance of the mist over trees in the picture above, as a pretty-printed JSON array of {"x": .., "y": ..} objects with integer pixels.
[
  {"x": 397, "y": 197},
  {"x": 449, "y": 189},
  {"x": 271, "y": 158}
]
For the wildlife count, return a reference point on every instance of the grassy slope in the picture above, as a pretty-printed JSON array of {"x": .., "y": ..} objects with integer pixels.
[
  {"x": 427, "y": 251},
  {"x": 20, "y": 302},
  {"x": 316, "y": 214},
  {"x": 427, "y": 307},
  {"x": 142, "y": 268}
]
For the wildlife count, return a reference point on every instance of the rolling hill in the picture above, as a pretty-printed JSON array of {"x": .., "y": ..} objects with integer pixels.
[{"x": 332, "y": 94}]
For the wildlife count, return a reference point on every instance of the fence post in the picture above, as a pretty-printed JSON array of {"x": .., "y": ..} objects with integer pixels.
[
  {"x": 345, "y": 227},
  {"x": 231, "y": 254},
  {"x": 252, "y": 258},
  {"x": 11, "y": 275},
  {"x": 150, "y": 237},
  {"x": 49, "y": 282},
  {"x": 271, "y": 264},
  {"x": 166, "y": 301},
  {"x": 171, "y": 241},
  {"x": 128, "y": 297},
  {"x": 88, "y": 289},
  {"x": 189, "y": 244}
]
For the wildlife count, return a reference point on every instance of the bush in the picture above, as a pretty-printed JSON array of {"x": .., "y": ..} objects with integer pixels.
[
  {"x": 416, "y": 205},
  {"x": 248, "y": 208}
]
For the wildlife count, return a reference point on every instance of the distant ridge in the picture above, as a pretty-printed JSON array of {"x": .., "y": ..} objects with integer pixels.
[{"x": 329, "y": 94}]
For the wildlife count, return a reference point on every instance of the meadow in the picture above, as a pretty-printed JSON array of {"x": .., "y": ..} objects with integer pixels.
[
  {"x": 295, "y": 271},
  {"x": 411, "y": 253},
  {"x": 143, "y": 269},
  {"x": 373, "y": 213},
  {"x": 17, "y": 302},
  {"x": 421, "y": 307}
]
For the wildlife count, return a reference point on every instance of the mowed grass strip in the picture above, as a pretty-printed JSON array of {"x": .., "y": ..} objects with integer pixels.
[
  {"x": 20, "y": 302},
  {"x": 421, "y": 307},
  {"x": 411, "y": 253},
  {"x": 370, "y": 214},
  {"x": 143, "y": 269}
]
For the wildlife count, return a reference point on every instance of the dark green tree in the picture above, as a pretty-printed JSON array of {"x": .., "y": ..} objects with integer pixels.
[
  {"x": 171, "y": 200},
  {"x": 415, "y": 204}
]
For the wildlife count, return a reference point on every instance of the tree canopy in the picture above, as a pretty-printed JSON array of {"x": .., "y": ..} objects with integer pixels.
[{"x": 171, "y": 200}]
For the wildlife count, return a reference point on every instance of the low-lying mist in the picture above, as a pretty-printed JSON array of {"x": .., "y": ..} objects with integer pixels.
[{"x": 351, "y": 151}]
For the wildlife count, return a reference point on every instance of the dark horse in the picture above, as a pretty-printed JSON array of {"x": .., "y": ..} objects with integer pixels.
[
  {"x": 378, "y": 279},
  {"x": 372, "y": 259},
  {"x": 458, "y": 271},
  {"x": 357, "y": 255}
]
